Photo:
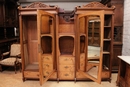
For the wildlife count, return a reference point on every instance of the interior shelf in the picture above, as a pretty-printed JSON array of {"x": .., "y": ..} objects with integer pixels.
[
  {"x": 66, "y": 45},
  {"x": 82, "y": 43},
  {"x": 66, "y": 34},
  {"x": 106, "y": 52},
  {"x": 107, "y": 39},
  {"x": 32, "y": 67},
  {"x": 46, "y": 44},
  {"x": 42, "y": 35},
  {"x": 82, "y": 34},
  {"x": 107, "y": 27},
  {"x": 107, "y": 20}
]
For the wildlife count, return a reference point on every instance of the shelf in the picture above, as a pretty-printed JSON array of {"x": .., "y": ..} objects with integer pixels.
[
  {"x": 42, "y": 35},
  {"x": 66, "y": 34},
  {"x": 82, "y": 34},
  {"x": 8, "y": 39},
  {"x": 106, "y": 52},
  {"x": 107, "y": 39},
  {"x": 107, "y": 26},
  {"x": 32, "y": 67}
]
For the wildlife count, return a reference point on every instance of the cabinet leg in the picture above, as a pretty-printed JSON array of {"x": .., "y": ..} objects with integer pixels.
[
  {"x": 75, "y": 80},
  {"x": 57, "y": 80},
  {"x": 24, "y": 79},
  {"x": 109, "y": 80},
  {"x": 1, "y": 68}
]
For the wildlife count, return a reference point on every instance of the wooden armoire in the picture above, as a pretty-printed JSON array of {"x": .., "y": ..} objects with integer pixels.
[{"x": 60, "y": 45}]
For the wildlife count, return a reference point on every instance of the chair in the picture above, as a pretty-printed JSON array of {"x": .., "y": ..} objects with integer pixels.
[{"x": 13, "y": 59}]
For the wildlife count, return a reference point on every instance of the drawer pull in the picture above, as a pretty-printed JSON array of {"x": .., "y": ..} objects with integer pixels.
[
  {"x": 47, "y": 58},
  {"x": 66, "y": 67},
  {"x": 66, "y": 59},
  {"x": 47, "y": 65},
  {"x": 66, "y": 74},
  {"x": 47, "y": 72}
]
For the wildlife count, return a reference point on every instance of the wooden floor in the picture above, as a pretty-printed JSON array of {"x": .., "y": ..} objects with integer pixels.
[{"x": 10, "y": 79}]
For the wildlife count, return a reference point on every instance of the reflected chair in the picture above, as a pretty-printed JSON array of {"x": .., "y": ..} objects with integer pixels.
[{"x": 13, "y": 58}]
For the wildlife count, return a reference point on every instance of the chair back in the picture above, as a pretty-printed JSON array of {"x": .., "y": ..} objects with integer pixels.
[{"x": 15, "y": 50}]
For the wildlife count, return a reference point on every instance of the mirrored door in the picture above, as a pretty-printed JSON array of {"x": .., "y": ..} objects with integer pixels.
[
  {"x": 90, "y": 38},
  {"x": 46, "y": 44}
]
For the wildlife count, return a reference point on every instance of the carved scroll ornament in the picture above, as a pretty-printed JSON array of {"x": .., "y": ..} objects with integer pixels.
[
  {"x": 95, "y": 5},
  {"x": 37, "y": 5}
]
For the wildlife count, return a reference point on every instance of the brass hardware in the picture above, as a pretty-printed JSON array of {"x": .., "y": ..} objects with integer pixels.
[{"x": 66, "y": 74}]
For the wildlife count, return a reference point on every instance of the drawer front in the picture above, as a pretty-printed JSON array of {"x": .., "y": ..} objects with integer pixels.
[
  {"x": 46, "y": 72},
  {"x": 31, "y": 74},
  {"x": 47, "y": 58},
  {"x": 82, "y": 57},
  {"x": 79, "y": 75},
  {"x": 66, "y": 75},
  {"x": 82, "y": 65},
  {"x": 66, "y": 68},
  {"x": 47, "y": 66},
  {"x": 66, "y": 60},
  {"x": 105, "y": 74},
  {"x": 54, "y": 76}
]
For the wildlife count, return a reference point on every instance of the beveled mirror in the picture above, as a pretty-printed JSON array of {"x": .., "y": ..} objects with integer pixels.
[
  {"x": 90, "y": 36},
  {"x": 93, "y": 48}
]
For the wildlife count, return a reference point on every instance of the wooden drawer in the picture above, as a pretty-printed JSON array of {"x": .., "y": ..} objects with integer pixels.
[
  {"x": 66, "y": 60},
  {"x": 82, "y": 65},
  {"x": 47, "y": 58},
  {"x": 105, "y": 74},
  {"x": 54, "y": 76},
  {"x": 82, "y": 57},
  {"x": 46, "y": 72},
  {"x": 31, "y": 74},
  {"x": 47, "y": 66},
  {"x": 66, "y": 75},
  {"x": 80, "y": 76},
  {"x": 69, "y": 68}
]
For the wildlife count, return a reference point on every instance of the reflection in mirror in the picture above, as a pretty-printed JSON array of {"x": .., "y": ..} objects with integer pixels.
[{"x": 93, "y": 49}]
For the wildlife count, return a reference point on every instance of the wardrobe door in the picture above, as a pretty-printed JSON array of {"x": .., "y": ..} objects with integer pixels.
[
  {"x": 90, "y": 27},
  {"x": 46, "y": 44}
]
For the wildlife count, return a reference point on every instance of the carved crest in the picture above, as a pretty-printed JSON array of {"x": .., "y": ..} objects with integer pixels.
[
  {"x": 37, "y": 5},
  {"x": 95, "y": 5}
]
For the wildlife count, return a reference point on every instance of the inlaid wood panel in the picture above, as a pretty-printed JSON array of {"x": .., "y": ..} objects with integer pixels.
[
  {"x": 66, "y": 68},
  {"x": 31, "y": 74},
  {"x": 66, "y": 60},
  {"x": 66, "y": 75}
]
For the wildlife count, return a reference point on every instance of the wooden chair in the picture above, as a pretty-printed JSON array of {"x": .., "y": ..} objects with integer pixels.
[{"x": 13, "y": 59}]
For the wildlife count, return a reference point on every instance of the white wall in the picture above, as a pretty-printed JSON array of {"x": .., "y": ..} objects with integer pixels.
[{"x": 126, "y": 29}]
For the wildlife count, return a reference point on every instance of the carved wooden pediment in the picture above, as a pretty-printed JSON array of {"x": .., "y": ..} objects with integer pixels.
[
  {"x": 37, "y": 5},
  {"x": 95, "y": 5}
]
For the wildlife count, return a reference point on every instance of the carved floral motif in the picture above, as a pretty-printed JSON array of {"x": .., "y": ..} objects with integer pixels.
[
  {"x": 95, "y": 5},
  {"x": 37, "y": 5}
]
